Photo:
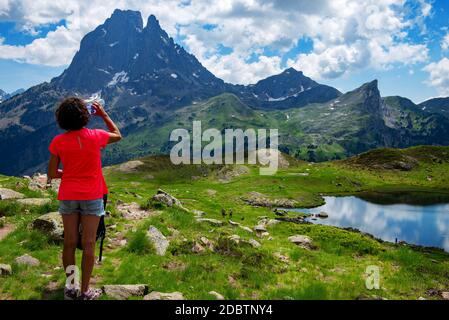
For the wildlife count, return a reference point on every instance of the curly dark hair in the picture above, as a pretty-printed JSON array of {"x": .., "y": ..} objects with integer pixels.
[{"x": 72, "y": 114}]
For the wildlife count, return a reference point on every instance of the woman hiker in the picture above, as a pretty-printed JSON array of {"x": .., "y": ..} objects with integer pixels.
[{"x": 82, "y": 187}]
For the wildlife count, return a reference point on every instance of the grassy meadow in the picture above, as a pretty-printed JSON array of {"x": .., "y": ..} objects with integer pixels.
[{"x": 278, "y": 269}]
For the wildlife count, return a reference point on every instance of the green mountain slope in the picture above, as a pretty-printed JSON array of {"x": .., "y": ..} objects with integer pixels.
[{"x": 355, "y": 122}]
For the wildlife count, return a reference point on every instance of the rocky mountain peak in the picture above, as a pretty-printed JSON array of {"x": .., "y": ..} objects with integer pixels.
[
  {"x": 153, "y": 23},
  {"x": 283, "y": 86},
  {"x": 121, "y": 53},
  {"x": 125, "y": 18}
]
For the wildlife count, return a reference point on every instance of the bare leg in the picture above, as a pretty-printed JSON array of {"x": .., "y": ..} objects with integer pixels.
[
  {"x": 71, "y": 234},
  {"x": 90, "y": 225}
]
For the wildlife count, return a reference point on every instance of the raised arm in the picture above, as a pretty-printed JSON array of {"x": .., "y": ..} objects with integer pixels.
[{"x": 114, "y": 132}]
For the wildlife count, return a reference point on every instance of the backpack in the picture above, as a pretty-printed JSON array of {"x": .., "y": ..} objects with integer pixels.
[{"x": 101, "y": 231}]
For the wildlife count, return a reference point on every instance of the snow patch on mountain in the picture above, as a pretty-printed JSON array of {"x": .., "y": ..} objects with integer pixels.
[{"x": 119, "y": 77}]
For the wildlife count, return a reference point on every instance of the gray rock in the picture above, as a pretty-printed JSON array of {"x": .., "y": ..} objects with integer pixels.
[
  {"x": 5, "y": 270},
  {"x": 302, "y": 241},
  {"x": 166, "y": 198},
  {"x": 213, "y": 222},
  {"x": 260, "y": 228},
  {"x": 38, "y": 182},
  {"x": 164, "y": 296},
  {"x": 234, "y": 238},
  {"x": 254, "y": 243},
  {"x": 216, "y": 295},
  {"x": 322, "y": 215},
  {"x": 130, "y": 166},
  {"x": 10, "y": 194},
  {"x": 198, "y": 248},
  {"x": 207, "y": 243},
  {"x": 272, "y": 222},
  {"x": 198, "y": 213},
  {"x": 263, "y": 234},
  {"x": 50, "y": 224},
  {"x": 248, "y": 229},
  {"x": 125, "y": 291},
  {"x": 234, "y": 224},
  {"x": 27, "y": 260},
  {"x": 260, "y": 200},
  {"x": 34, "y": 201},
  {"x": 159, "y": 241}
]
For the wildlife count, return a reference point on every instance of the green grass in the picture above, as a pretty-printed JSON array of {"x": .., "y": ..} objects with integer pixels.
[{"x": 335, "y": 270}]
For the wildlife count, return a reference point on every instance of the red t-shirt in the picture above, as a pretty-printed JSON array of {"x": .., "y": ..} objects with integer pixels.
[{"x": 80, "y": 154}]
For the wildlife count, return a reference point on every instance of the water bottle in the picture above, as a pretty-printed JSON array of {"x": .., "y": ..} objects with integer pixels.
[{"x": 90, "y": 102}]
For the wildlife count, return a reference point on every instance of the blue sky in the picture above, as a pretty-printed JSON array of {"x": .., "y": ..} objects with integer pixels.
[{"x": 402, "y": 43}]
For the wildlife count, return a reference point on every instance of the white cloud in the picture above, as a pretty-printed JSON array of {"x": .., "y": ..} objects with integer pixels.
[
  {"x": 439, "y": 75},
  {"x": 347, "y": 34},
  {"x": 235, "y": 69},
  {"x": 445, "y": 42}
]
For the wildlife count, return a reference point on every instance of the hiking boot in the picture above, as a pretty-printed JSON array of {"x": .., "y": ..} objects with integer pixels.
[
  {"x": 91, "y": 294},
  {"x": 71, "y": 293}
]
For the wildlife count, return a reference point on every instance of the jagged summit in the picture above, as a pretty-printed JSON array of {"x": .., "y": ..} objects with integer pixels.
[
  {"x": 153, "y": 23},
  {"x": 122, "y": 53},
  {"x": 367, "y": 95}
]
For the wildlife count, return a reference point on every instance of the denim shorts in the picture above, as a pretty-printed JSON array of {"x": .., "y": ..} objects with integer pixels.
[{"x": 83, "y": 207}]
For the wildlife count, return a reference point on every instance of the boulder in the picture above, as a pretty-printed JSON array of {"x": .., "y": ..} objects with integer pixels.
[
  {"x": 260, "y": 228},
  {"x": 38, "y": 182},
  {"x": 164, "y": 296},
  {"x": 216, "y": 295},
  {"x": 5, "y": 270},
  {"x": 254, "y": 243},
  {"x": 234, "y": 224},
  {"x": 198, "y": 248},
  {"x": 166, "y": 198},
  {"x": 260, "y": 200},
  {"x": 271, "y": 222},
  {"x": 234, "y": 238},
  {"x": 125, "y": 291},
  {"x": 50, "y": 224},
  {"x": 130, "y": 166},
  {"x": 322, "y": 215},
  {"x": 262, "y": 234},
  {"x": 445, "y": 295},
  {"x": 198, "y": 213},
  {"x": 248, "y": 229},
  {"x": 302, "y": 241},
  {"x": 34, "y": 201},
  {"x": 10, "y": 194},
  {"x": 207, "y": 243},
  {"x": 132, "y": 211},
  {"x": 27, "y": 260},
  {"x": 159, "y": 241},
  {"x": 214, "y": 222}
]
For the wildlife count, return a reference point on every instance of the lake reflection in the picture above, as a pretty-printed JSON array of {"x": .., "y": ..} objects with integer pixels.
[{"x": 423, "y": 225}]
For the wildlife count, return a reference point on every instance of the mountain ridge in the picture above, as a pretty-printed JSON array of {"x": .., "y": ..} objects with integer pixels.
[{"x": 151, "y": 85}]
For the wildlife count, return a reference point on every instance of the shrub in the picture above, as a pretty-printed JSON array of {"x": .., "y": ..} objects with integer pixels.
[{"x": 139, "y": 243}]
